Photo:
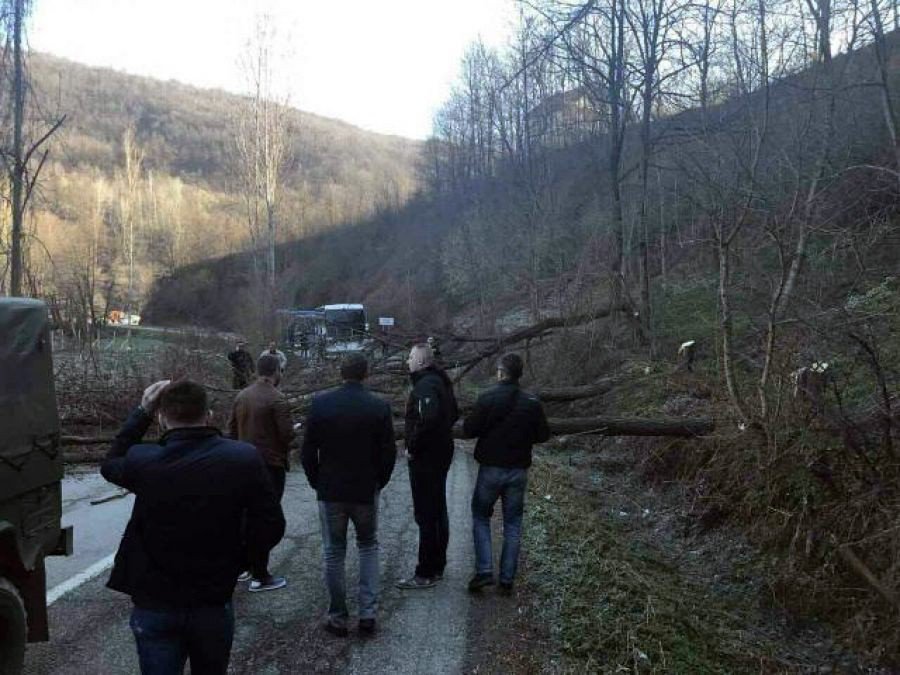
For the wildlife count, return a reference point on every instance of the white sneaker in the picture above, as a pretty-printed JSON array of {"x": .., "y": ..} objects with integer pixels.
[
  {"x": 244, "y": 576},
  {"x": 270, "y": 584}
]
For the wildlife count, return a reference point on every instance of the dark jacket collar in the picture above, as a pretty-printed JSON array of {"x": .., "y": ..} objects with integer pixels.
[
  {"x": 430, "y": 370},
  {"x": 350, "y": 384},
  {"x": 188, "y": 434}
]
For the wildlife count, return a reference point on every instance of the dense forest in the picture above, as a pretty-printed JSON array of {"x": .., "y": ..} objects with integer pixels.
[{"x": 724, "y": 174}]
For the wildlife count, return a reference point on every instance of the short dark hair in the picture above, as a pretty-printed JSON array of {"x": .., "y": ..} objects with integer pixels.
[
  {"x": 354, "y": 367},
  {"x": 268, "y": 365},
  {"x": 185, "y": 402},
  {"x": 512, "y": 366}
]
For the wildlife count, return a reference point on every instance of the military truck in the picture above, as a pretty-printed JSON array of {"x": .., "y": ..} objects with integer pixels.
[{"x": 31, "y": 469}]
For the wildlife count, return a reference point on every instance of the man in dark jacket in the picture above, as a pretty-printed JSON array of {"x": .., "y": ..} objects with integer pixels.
[
  {"x": 348, "y": 456},
  {"x": 262, "y": 417},
  {"x": 507, "y": 421},
  {"x": 431, "y": 412},
  {"x": 184, "y": 545},
  {"x": 241, "y": 366}
]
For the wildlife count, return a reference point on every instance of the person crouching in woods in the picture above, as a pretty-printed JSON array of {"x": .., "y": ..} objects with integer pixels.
[
  {"x": 261, "y": 416},
  {"x": 241, "y": 366},
  {"x": 348, "y": 456},
  {"x": 431, "y": 412},
  {"x": 507, "y": 421},
  {"x": 184, "y": 545}
]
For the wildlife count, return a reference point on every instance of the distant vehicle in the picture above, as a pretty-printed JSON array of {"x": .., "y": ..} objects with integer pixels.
[
  {"x": 327, "y": 330},
  {"x": 119, "y": 318},
  {"x": 31, "y": 468}
]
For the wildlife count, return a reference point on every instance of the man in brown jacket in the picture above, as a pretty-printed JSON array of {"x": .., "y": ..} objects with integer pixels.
[{"x": 261, "y": 416}]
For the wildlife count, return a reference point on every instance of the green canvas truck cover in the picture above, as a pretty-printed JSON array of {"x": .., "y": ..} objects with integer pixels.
[{"x": 29, "y": 423}]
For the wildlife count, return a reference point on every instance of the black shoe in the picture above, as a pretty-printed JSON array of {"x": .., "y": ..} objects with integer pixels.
[
  {"x": 367, "y": 627},
  {"x": 506, "y": 587},
  {"x": 336, "y": 629},
  {"x": 479, "y": 581},
  {"x": 415, "y": 581}
]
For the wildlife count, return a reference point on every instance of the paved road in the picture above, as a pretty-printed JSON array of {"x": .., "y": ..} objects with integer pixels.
[{"x": 423, "y": 631}]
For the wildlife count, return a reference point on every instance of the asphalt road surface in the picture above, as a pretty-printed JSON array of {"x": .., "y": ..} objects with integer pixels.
[{"x": 422, "y": 631}]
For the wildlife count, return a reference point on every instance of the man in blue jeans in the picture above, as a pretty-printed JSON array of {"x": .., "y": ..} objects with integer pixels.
[
  {"x": 184, "y": 545},
  {"x": 507, "y": 421},
  {"x": 348, "y": 456}
]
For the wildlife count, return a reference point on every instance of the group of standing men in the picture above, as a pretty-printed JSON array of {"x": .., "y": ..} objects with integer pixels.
[{"x": 207, "y": 509}]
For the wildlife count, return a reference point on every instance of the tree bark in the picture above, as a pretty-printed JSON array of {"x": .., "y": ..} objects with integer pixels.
[
  {"x": 18, "y": 168},
  {"x": 603, "y": 426},
  {"x": 533, "y": 331}
]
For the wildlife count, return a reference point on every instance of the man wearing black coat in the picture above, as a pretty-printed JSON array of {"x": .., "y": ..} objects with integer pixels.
[
  {"x": 507, "y": 421},
  {"x": 242, "y": 366},
  {"x": 348, "y": 456},
  {"x": 431, "y": 412},
  {"x": 184, "y": 545}
]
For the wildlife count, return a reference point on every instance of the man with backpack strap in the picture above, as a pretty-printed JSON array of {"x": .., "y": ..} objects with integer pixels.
[{"x": 507, "y": 421}]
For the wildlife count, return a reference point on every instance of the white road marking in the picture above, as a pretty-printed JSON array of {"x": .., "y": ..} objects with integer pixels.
[{"x": 72, "y": 583}]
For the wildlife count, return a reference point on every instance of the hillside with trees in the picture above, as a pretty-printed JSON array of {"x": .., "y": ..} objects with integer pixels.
[
  {"x": 719, "y": 176},
  {"x": 144, "y": 177}
]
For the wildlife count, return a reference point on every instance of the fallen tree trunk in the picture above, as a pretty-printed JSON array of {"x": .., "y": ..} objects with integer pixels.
[
  {"x": 84, "y": 456},
  {"x": 603, "y": 426},
  {"x": 632, "y": 426},
  {"x": 575, "y": 393},
  {"x": 534, "y": 331},
  {"x": 85, "y": 440},
  {"x": 613, "y": 426}
]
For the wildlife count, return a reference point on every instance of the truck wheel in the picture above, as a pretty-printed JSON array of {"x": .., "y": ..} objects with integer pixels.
[{"x": 12, "y": 629}]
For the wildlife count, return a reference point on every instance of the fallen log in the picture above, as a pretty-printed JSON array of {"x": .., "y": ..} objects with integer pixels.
[
  {"x": 613, "y": 426},
  {"x": 577, "y": 392},
  {"x": 602, "y": 426},
  {"x": 85, "y": 440},
  {"x": 864, "y": 572},
  {"x": 534, "y": 331},
  {"x": 632, "y": 426}
]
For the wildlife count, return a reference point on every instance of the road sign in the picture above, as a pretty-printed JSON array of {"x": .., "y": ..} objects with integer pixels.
[{"x": 385, "y": 321}]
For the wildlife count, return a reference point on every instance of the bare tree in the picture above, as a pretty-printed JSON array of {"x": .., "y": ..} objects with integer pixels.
[
  {"x": 18, "y": 154},
  {"x": 262, "y": 140},
  {"x": 130, "y": 207}
]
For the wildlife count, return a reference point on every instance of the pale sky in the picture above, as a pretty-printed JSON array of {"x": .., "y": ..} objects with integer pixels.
[{"x": 382, "y": 65}]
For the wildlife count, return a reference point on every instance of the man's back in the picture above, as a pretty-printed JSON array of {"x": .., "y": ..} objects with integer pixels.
[
  {"x": 348, "y": 450},
  {"x": 184, "y": 543},
  {"x": 431, "y": 412},
  {"x": 262, "y": 417},
  {"x": 507, "y": 421}
]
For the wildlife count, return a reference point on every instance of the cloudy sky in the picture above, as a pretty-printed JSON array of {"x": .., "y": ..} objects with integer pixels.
[{"x": 383, "y": 65}]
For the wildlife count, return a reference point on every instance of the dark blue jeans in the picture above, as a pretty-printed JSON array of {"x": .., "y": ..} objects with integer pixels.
[
  {"x": 508, "y": 485},
  {"x": 167, "y": 638},
  {"x": 334, "y": 517}
]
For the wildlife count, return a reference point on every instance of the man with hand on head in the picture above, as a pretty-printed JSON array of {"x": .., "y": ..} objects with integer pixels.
[
  {"x": 431, "y": 412},
  {"x": 184, "y": 545},
  {"x": 348, "y": 456},
  {"x": 507, "y": 421},
  {"x": 262, "y": 417}
]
